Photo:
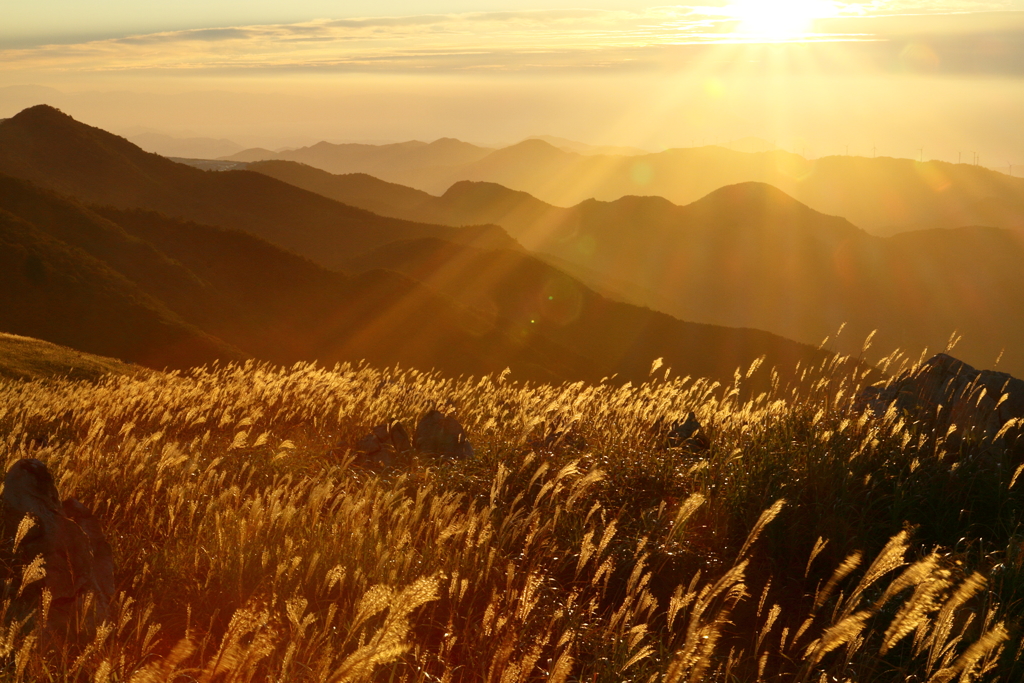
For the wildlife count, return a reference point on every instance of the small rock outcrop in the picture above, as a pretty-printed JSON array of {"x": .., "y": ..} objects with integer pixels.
[
  {"x": 76, "y": 556},
  {"x": 687, "y": 434},
  {"x": 985, "y": 406},
  {"x": 386, "y": 444},
  {"x": 442, "y": 435}
]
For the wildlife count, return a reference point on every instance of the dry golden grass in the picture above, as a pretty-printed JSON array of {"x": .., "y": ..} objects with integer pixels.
[{"x": 252, "y": 545}]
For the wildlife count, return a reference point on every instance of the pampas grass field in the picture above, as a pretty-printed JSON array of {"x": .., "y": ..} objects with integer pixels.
[{"x": 812, "y": 542}]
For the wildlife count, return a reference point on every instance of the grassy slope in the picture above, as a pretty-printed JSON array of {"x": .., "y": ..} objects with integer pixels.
[
  {"x": 603, "y": 558},
  {"x": 32, "y": 359}
]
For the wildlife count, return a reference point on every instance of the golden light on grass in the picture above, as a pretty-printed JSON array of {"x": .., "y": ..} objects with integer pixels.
[{"x": 251, "y": 547}]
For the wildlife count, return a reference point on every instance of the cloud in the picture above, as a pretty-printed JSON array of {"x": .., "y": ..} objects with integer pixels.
[
  {"x": 204, "y": 34},
  {"x": 543, "y": 40}
]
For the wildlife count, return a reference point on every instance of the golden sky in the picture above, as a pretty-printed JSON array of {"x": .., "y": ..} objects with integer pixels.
[{"x": 816, "y": 73}]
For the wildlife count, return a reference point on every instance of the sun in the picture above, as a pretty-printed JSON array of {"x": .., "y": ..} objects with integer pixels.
[{"x": 779, "y": 20}]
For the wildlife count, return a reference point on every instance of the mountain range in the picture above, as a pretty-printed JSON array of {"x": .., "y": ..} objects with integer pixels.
[
  {"x": 746, "y": 255},
  {"x": 116, "y": 251},
  {"x": 881, "y": 195}
]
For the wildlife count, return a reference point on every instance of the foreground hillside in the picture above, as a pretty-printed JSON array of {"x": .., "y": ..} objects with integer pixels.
[{"x": 809, "y": 542}]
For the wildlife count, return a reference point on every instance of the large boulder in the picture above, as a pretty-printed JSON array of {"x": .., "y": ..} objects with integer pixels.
[
  {"x": 77, "y": 559},
  {"x": 986, "y": 407},
  {"x": 442, "y": 435}
]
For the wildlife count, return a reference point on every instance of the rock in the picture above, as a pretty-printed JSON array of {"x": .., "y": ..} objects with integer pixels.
[
  {"x": 442, "y": 435},
  {"x": 945, "y": 391},
  {"x": 77, "y": 558},
  {"x": 385, "y": 444},
  {"x": 688, "y": 434}
]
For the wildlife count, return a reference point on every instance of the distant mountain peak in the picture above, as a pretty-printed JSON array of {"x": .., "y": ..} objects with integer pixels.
[
  {"x": 483, "y": 188},
  {"x": 535, "y": 143},
  {"x": 751, "y": 191}
]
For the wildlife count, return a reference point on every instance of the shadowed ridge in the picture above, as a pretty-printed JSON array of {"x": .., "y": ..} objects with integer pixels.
[
  {"x": 532, "y": 146},
  {"x": 752, "y": 197},
  {"x": 471, "y": 202},
  {"x": 455, "y": 146},
  {"x": 518, "y": 159},
  {"x": 252, "y": 155}
]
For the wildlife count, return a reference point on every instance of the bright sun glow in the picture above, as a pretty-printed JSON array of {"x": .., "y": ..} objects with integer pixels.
[{"x": 779, "y": 20}]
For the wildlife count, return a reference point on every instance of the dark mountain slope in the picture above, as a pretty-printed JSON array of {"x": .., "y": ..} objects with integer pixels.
[
  {"x": 53, "y": 150},
  {"x": 512, "y": 311},
  {"x": 529, "y": 299},
  {"x": 289, "y": 308},
  {"x": 56, "y": 292}
]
